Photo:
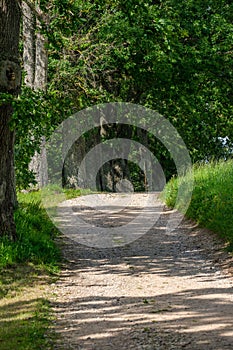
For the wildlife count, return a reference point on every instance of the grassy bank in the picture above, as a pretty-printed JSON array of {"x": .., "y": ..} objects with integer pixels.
[
  {"x": 36, "y": 235},
  {"x": 212, "y": 199},
  {"x": 27, "y": 267}
]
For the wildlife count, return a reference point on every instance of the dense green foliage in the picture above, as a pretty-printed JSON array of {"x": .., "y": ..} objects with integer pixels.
[
  {"x": 211, "y": 205},
  {"x": 36, "y": 115},
  {"x": 175, "y": 58},
  {"x": 36, "y": 235}
]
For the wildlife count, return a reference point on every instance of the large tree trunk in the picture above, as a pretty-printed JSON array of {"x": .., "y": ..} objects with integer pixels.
[
  {"x": 36, "y": 66},
  {"x": 10, "y": 80}
]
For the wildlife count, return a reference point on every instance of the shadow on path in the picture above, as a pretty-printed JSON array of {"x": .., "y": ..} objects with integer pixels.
[{"x": 162, "y": 291}]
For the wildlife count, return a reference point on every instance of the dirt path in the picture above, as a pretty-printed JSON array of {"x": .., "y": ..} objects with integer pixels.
[{"x": 162, "y": 291}]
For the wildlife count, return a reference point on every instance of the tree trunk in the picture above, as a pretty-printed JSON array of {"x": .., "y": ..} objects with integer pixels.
[
  {"x": 144, "y": 160},
  {"x": 29, "y": 50},
  {"x": 36, "y": 66},
  {"x": 40, "y": 83},
  {"x": 41, "y": 60},
  {"x": 10, "y": 80}
]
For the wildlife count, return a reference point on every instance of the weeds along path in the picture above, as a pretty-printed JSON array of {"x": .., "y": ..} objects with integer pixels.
[{"x": 162, "y": 291}]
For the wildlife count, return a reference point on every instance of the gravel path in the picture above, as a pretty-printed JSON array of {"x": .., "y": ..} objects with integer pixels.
[{"x": 163, "y": 291}]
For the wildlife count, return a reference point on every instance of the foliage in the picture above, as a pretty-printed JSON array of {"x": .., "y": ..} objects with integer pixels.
[
  {"x": 36, "y": 114},
  {"x": 172, "y": 57},
  {"x": 211, "y": 205}
]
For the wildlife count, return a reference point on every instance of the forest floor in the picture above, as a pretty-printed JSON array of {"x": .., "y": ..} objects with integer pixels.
[{"x": 165, "y": 290}]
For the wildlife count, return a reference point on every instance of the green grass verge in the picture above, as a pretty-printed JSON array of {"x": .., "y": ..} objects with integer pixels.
[
  {"x": 36, "y": 235},
  {"x": 26, "y": 268},
  {"x": 212, "y": 199}
]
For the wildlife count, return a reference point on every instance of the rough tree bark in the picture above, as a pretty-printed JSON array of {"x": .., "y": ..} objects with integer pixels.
[
  {"x": 35, "y": 62},
  {"x": 29, "y": 24},
  {"x": 10, "y": 81}
]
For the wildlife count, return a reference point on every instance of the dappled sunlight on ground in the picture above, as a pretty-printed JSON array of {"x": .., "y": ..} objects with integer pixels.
[{"x": 164, "y": 290}]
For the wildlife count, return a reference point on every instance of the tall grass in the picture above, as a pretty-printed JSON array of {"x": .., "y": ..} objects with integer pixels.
[
  {"x": 212, "y": 199},
  {"x": 36, "y": 235},
  {"x": 35, "y": 230}
]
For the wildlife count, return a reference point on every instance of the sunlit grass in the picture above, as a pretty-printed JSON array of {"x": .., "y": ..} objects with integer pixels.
[
  {"x": 25, "y": 314},
  {"x": 35, "y": 233},
  {"x": 212, "y": 199},
  {"x": 26, "y": 267}
]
